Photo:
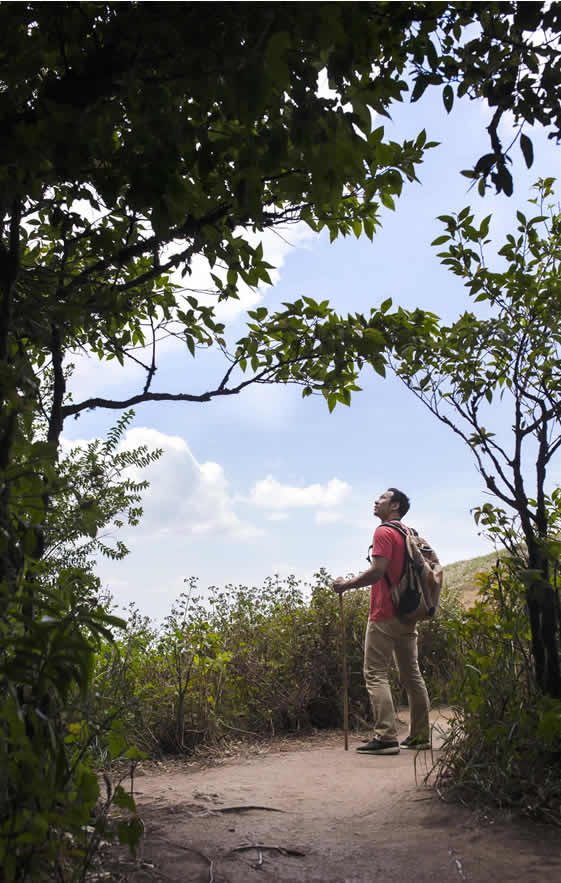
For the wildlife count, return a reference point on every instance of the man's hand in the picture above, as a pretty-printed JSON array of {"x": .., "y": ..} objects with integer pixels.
[
  {"x": 374, "y": 573},
  {"x": 340, "y": 585}
]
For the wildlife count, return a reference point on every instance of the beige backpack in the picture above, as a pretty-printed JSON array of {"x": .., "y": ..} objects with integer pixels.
[{"x": 417, "y": 594}]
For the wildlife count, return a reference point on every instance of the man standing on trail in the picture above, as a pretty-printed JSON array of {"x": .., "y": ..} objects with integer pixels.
[{"x": 387, "y": 636}]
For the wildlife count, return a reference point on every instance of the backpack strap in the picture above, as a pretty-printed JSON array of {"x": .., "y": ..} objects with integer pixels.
[
  {"x": 404, "y": 532},
  {"x": 397, "y": 525}
]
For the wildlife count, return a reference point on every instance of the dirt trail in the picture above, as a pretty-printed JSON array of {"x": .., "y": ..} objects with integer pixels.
[{"x": 309, "y": 811}]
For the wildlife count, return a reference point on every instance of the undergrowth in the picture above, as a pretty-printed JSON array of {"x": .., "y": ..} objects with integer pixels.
[
  {"x": 256, "y": 662},
  {"x": 504, "y": 745},
  {"x": 251, "y": 661}
]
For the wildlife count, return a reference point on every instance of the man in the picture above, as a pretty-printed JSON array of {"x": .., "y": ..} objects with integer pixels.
[{"x": 387, "y": 636}]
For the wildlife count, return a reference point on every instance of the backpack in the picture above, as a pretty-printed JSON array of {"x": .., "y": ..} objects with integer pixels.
[{"x": 417, "y": 593}]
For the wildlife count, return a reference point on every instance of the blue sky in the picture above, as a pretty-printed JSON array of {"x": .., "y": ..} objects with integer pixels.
[{"x": 267, "y": 482}]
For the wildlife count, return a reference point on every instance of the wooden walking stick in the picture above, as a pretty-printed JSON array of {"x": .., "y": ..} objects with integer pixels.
[{"x": 345, "y": 681}]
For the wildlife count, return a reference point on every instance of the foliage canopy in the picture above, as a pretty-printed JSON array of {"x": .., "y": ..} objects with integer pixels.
[{"x": 137, "y": 137}]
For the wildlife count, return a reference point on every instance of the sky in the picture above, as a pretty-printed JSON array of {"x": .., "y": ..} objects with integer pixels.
[{"x": 269, "y": 483}]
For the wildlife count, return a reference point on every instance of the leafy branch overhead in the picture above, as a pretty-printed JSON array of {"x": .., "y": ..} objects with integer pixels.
[{"x": 171, "y": 133}]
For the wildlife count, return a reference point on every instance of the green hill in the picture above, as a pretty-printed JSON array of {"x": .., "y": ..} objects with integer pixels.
[{"x": 461, "y": 575}]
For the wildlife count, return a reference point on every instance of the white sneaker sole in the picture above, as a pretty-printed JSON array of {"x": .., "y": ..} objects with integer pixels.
[{"x": 378, "y": 751}]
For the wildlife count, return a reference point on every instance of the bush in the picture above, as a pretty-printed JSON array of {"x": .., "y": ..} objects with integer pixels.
[
  {"x": 504, "y": 746},
  {"x": 254, "y": 661},
  {"x": 51, "y": 817},
  {"x": 438, "y": 648}
]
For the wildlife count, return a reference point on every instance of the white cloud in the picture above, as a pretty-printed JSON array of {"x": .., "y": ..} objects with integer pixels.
[
  {"x": 327, "y": 516},
  {"x": 185, "y": 498},
  {"x": 271, "y": 494},
  {"x": 94, "y": 377}
]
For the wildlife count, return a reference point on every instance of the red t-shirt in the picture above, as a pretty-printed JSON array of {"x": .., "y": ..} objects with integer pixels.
[{"x": 387, "y": 543}]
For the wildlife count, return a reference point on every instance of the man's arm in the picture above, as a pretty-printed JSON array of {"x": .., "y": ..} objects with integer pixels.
[{"x": 367, "y": 578}]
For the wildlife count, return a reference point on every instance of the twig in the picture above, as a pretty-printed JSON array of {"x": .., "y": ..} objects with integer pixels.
[
  {"x": 237, "y": 729},
  {"x": 284, "y": 850},
  {"x": 232, "y": 809}
]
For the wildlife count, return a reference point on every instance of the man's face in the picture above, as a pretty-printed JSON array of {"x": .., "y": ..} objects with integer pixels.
[{"x": 384, "y": 509}]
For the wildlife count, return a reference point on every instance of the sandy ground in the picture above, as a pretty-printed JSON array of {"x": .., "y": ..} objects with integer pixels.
[{"x": 306, "y": 810}]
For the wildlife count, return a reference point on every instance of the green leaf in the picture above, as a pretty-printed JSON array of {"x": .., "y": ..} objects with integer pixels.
[
  {"x": 421, "y": 84},
  {"x": 527, "y": 149},
  {"x": 387, "y": 200},
  {"x": 448, "y": 97},
  {"x": 130, "y": 832},
  {"x": 384, "y": 306},
  {"x": 123, "y": 799},
  {"x": 503, "y": 181},
  {"x": 485, "y": 163},
  {"x": 484, "y": 228}
]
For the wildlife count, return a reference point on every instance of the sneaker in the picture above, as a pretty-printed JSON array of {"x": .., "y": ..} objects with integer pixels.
[
  {"x": 375, "y": 746},
  {"x": 416, "y": 743}
]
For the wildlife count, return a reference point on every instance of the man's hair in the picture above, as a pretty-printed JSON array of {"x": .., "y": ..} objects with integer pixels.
[{"x": 402, "y": 499}]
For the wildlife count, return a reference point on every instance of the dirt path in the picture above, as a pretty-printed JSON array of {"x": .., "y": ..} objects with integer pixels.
[{"x": 309, "y": 811}]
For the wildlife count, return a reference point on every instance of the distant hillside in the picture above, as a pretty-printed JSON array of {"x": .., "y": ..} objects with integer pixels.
[{"x": 461, "y": 575}]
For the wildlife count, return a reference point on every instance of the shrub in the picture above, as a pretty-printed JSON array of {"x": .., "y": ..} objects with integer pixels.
[
  {"x": 504, "y": 746},
  {"x": 253, "y": 661}
]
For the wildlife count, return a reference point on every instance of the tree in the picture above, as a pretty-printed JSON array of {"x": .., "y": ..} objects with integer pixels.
[
  {"x": 97, "y": 492},
  {"x": 503, "y": 363},
  {"x": 50, "y": 628},
  {"x": 137, "y": 137}
]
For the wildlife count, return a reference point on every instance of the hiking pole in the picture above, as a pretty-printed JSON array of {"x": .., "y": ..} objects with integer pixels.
[{"x": 345, "y": 681}]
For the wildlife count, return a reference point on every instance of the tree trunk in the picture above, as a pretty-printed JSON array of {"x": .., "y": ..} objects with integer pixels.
[
  {"x": 11, "y": 559},
  {"x": 544, "y": 625}
]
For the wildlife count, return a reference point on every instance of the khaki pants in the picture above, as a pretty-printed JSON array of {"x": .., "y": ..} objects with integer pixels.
[{"x": 385, "y": 639}]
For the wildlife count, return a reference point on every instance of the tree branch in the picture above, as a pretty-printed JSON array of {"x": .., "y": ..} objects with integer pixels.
[
  {"x": 490, "y": 447},
  {"x": 152, "y": 369},
  {"x": 190, "y": 227},
  {"x": 89, "y": 404},
  {"x": 56, "y": 418},
  {"x": 433, "y": 408},
  {"x": 9, "y": 268},
  {"x": 541, "y": 513}
]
